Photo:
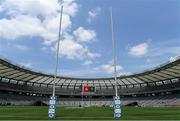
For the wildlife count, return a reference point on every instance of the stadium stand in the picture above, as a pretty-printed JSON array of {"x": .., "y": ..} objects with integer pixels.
[{"x": 159, "y": 87}]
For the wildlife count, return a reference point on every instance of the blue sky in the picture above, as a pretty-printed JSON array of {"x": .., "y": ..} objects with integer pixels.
[{"x": 147, "y": 34}]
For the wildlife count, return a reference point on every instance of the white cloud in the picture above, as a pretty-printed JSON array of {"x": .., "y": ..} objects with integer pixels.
[
  {"x": 71, "y": 7},
  {"x": 28, "y": 65},
  {"x": 35, "y": 18},
  {"x": 51, "y": 28},
  {"x": 123, "y": 73},
  {"x": 31, "y": 7},
  {"x": 93, "y": 14},
  {"x": 174, "y": 58},
  {"x": 148, "y": 60},
  {"x": 71, "y": 49},
  {"x": 74, "y": 50},
  {"x": 77, "y": 72},
  {"x": 88, "y": 62},
  {"x": 139, "y": 50},
  {"x": 20, "y": 26},
  {"x": 1, "y": 9},
  {"x": 21, "y": 47},
  {"x": 40, "y": 18},
  {"x": 38, "y": 7},
  {"x": 84, "y": 35},
  {"x": 171, "y": 46},
  {"x": 109, "y": 68},
  {"x": 93, "y": 55}
]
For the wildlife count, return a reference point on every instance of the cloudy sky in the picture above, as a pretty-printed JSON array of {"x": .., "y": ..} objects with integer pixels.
[{"x": 147, "y": 34}]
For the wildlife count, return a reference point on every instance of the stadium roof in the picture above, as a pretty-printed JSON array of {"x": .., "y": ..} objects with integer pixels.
[{"x": 170, "y": 70}]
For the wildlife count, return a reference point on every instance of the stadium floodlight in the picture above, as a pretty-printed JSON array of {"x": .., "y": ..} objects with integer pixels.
[
  {"x": 52, "y": 101},
  {"x": 117, "y": 103}
]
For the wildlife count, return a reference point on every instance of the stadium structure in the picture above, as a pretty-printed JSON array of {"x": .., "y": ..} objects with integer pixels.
[{"x": 158, "y": 87}]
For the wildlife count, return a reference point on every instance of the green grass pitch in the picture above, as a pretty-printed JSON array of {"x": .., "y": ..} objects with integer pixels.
[{"x": 89, "y": 113}]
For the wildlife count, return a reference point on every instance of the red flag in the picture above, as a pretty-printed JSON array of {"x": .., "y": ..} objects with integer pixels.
[{"x": 86, "y": 88}]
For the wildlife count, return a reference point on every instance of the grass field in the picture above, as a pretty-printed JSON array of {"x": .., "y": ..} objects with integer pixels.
[{"x": 91, "y": 113}]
